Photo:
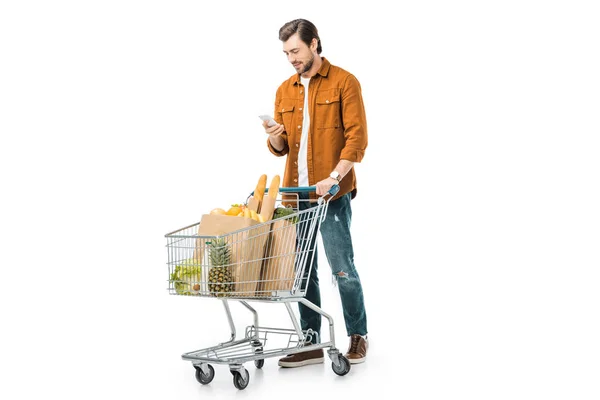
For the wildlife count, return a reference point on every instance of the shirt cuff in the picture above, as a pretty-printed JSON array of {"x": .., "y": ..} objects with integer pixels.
[{"x": 353, "y": 155}]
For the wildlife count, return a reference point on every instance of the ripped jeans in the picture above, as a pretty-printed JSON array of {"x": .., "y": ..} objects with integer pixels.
[{"x": 337, "y": 242}]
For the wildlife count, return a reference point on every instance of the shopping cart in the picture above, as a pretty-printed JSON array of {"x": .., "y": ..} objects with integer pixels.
[{"x": 268, "y": 262}]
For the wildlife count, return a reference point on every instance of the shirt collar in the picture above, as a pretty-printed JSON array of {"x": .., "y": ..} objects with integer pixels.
[{"x": 323, "y": 71}]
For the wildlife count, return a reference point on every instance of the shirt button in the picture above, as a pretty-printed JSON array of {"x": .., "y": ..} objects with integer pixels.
[
  {"x": 299, "y": 126},
  {"x": 326, "y": 101},
  {"x": 295, "y": 162},
  {"x": 301, "y": 92},
  {"x": 296, "y": 144},
  {"x": 295, "y": 180},
  {"x": 300, "y": 109},
  {"x": 283, "y": 109}
]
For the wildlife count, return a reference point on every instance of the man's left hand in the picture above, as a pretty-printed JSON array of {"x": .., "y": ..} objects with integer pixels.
[{"x": 324, "y": 185}]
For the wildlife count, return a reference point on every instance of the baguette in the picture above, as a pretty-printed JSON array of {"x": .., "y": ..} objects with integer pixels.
[
  {"x": 259, "y": 192},
  {"x": 274, "y": 188}
]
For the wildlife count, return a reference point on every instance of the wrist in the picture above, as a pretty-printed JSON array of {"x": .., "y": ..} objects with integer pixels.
[{"x": 277, "y": 143}]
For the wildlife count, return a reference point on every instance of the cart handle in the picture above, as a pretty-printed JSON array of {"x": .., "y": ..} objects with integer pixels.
[{"x": 304, "y": 189}]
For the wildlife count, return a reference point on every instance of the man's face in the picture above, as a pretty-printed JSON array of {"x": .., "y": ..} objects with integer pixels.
[{"x": 299, "y": 54}]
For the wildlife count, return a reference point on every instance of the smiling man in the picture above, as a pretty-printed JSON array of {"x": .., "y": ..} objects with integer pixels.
[{"x": 322, "y": 129}]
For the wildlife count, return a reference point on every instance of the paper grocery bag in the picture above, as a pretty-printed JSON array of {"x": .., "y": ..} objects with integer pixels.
[
  {"x": 278, "y": 270},
  {"x": 246, "y": 239},
  {"x": 254, "y": 204},
  {"x": 267, "y": 207}
]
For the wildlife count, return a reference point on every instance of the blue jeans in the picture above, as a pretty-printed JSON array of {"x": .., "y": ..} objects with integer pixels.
[{"x": 337, "y": 242}]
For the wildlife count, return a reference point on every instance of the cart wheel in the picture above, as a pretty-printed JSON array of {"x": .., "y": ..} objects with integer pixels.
[
  {"x": 259, "y": 363},
  {"x": 205, "y": 378},
  {"x": 240, "y": 381},
  {"x": 343, "y": 368}
]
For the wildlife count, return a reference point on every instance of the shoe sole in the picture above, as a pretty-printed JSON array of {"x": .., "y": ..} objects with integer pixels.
[
  {"x": 357, "y": 361},
  {"x": 310, "y": 361}
]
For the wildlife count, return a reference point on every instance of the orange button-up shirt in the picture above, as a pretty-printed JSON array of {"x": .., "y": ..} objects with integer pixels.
[{"x": 338, "y": 125}]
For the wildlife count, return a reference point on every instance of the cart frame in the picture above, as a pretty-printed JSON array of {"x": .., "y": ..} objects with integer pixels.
[{"x": 254, "y": 346}]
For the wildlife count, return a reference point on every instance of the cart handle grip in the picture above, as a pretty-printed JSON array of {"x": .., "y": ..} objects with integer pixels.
[{"x": 304, "y": 189}]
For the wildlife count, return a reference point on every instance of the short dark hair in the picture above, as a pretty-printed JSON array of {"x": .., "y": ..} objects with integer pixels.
[{"x": 307, "y": 31}]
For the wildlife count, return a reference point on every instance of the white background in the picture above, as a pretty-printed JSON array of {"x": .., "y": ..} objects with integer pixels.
[{"x": 476, "y": 225}]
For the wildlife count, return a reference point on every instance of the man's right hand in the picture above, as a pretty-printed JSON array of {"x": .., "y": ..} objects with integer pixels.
[{"x": 273, "y": 131}]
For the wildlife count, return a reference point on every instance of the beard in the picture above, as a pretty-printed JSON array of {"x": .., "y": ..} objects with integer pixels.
[{"x": 308, "y": 65}]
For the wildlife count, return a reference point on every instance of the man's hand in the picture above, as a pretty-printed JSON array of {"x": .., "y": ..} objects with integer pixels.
[
  {"x": 324, "y": 185},
  {"x": 273, "y": 131}
]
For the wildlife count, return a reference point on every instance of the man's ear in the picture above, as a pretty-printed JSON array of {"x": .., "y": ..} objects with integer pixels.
[{"x": 313, "y": 44}]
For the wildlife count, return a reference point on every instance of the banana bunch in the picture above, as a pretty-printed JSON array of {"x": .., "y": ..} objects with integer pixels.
[{"x": 239, "y": 210}]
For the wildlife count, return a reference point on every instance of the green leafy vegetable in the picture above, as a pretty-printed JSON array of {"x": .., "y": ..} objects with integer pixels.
[
  {"x": 186, "y": 277},
  {"x": 281, "y": 212}
]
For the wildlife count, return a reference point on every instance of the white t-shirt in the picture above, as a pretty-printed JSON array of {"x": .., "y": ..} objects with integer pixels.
[{"x": 303, "y": 151}]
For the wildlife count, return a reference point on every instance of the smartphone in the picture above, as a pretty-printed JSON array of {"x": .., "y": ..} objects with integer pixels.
[{"x": 271, "y": 121}]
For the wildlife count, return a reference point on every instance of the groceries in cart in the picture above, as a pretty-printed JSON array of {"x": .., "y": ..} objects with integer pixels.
[
  {"x": 256, "y": 251},
  {"x": 239, "y": 250},
  {"x": 254, "y": 206}
]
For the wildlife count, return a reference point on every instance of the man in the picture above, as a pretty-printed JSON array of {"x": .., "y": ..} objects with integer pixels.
[{"x": 321, "y": 127}]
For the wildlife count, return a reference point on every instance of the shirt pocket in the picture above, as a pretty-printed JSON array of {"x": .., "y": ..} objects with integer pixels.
[
  {"x": 286, "y": 112},
  {"x": 328, "y": 110}
]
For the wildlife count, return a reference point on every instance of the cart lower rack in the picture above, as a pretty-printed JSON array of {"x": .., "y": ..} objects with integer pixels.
[{"x": 264, "y": 262}]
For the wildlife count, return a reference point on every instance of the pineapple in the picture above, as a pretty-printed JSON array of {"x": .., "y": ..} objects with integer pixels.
[{"x": 220, "y": 280}]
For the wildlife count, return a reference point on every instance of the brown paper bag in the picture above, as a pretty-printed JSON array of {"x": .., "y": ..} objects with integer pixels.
[
  {"x": 246, "y": 246},
  {"x": 254, "y": 204},
  {"x": 278, "y": 270},
  {"x": 267, "y": 207}
]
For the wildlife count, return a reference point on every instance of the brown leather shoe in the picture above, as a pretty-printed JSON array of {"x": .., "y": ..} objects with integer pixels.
[
  {"x": 301, "y": 359},
  {"x": 357, "y": 352}
]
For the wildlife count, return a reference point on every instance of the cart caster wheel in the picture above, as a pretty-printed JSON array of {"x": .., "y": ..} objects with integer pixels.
[
  {"x": 259, "y": 363},
  {"x": 343, "y": 368},
  {"x": 241, "y": 380},
  {"x": 205, "y": 378}
]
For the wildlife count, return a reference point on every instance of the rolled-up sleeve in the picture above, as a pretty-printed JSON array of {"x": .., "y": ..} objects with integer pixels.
[{"x": 354, "y": 120}]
